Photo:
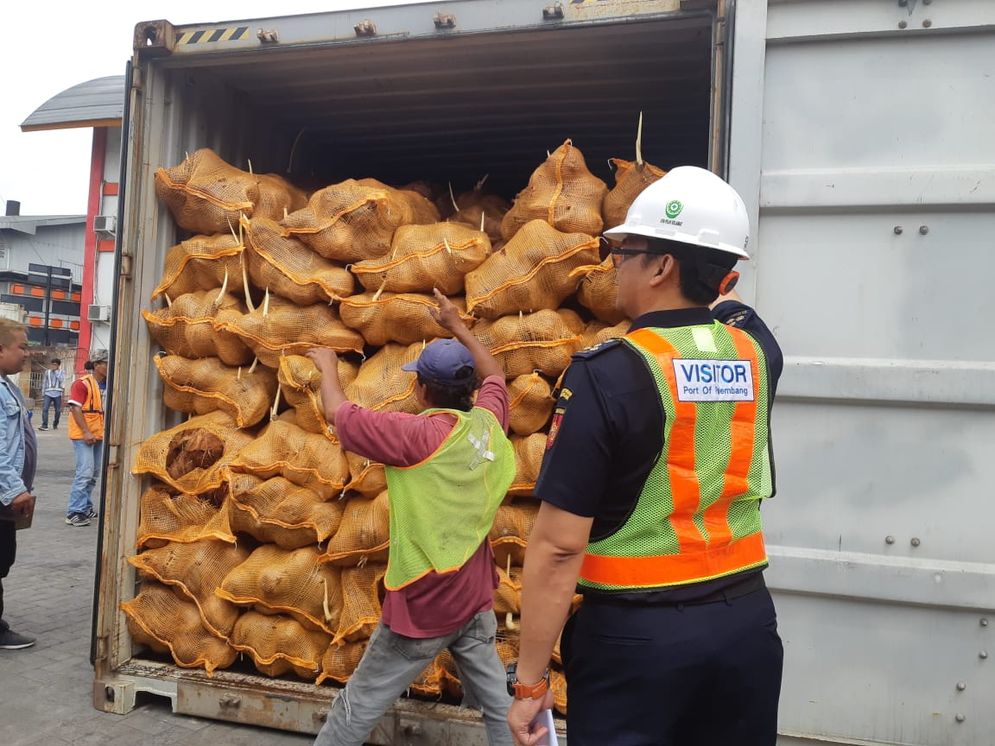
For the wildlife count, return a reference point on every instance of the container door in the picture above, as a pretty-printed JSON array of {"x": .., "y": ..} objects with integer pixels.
[{"x": 862, "y": 134}]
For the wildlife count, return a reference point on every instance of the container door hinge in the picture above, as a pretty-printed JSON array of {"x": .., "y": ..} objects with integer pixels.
[{"x": 127, "y": 262}]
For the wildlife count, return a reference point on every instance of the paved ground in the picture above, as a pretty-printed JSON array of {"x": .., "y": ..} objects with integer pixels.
[{"x": 45, "y": 690}]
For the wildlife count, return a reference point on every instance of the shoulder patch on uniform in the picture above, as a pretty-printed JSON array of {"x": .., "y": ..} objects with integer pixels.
[{"x": 594, "y": 350}]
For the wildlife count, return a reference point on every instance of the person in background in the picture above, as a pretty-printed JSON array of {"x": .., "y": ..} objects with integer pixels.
[
  {"x": 53, "y": 387},
  {"x": 657, "y": 462},
  {"x": 86, "y": 430},
  {"x": 448, "y": 470},
  {"x": 18, "y": 458}
]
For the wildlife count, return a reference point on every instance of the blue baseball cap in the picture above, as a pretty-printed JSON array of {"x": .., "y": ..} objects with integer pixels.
[{"x": 443, "y": 361}]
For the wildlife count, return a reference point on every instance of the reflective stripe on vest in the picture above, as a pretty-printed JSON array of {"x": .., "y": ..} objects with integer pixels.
[
  {"x": 93, "y": 411},
  {"x": 697, "y": 516}
]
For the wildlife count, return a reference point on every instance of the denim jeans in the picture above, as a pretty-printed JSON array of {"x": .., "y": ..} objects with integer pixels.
[
  {"x": 88, "y": 461},
  {"x": 391, "y": 662},
  {"x": 51, "y": 401}
]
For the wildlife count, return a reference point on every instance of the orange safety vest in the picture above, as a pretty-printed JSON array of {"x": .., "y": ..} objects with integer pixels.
[
  {"x": 697, "y": 517},
  {"x": 93, "y": 411}
]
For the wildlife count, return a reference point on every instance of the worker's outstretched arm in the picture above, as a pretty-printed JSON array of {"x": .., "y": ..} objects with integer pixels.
[
  {"x": 332, "y": 394},
  {"x": 447, "y": 316}
]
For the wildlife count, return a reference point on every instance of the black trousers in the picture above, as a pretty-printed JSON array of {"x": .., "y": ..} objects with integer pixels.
[
  {"x": 8, "y": 550},
  {"x": 685, "y": 675}
]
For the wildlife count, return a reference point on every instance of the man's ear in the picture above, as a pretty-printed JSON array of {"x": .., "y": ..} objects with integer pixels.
[{"x": 662, "y": 269}]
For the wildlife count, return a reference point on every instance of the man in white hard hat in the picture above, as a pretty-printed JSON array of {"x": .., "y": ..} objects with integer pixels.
[{"x": 656, "y": 464}]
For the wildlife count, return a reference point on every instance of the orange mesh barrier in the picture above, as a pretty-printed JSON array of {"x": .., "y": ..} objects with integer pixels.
[
  {"x": 201, "y": 263},
  {"x": 368, "y": 477},
  {"x": 162, "y": 619},
  {"x": 381, "y": 384},
  {"x": 280, "y": 328},
  {"x": 278, "y": 511},
  {"x": 598, "y": 290},
  {"x": 529, "y": 450},
  {"x": 510, "y": 533},
  {"x": 290, "y": 582},
  {"x": 364, "y": 535},
  {"x": 356, "y": 220},
  {"x": 192, "y": 456},
  {"x": 306, "y": 459},
  {"x": 197, "y": 570},
  {"x": 530, "y": 273},
  {"x": 630, "y": 180},
  {"x": 362, "y": 592},
  {"x": 187, "y": 327},
  {"x": 184, "y": 518},
  {"x": 280, "y": 644},
  {"x": 530, "y": 403},
  {"x": 424, "y": 257},
  {"x": 339, "y": 661},
  {"x": 403, "y": 318},
  {"x": 203, "y": 386},
  {"x": 289, "y": 268},
  {"x": 523, "y": 343},
  {"x": 300, "y": 384},
  {"x": 563, "y": 193}
]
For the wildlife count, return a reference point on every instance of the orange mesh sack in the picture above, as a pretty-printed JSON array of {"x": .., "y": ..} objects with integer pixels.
[
  {"x": 289, "y": 268},
  {"x": 306, "y": 459},
  {"x": 287, "y": 581},
  {"x": 186, "y": 327},
  {"x": 563, "y": 193},
  {"x": 277, "y": 197},
  {"x": 167, "y": 622},
  {"x": 530, "y": 403},
  {"x": 280, "y": 644},
  {"x": 598, "y": 290},
  {"x": 558, "y": 683},
  {"x": 403, "y": 318},
  {"x": 364, "y": 535},
  {"x": 529, "y": 451},
  {"x": 202, "y": 386},
  {"x": 530, "y": 273},
  {"x": 368, "y": 477},
  {"x": 630, "y": 179},
  {"x": 202, "y": 263},
  {"x": 450, "y": 681},
  {"x": 596, "y": 332},
  {"x": 279, "y": 512},
  {"x": 424, "y": 257},
  {"x": 429, "y": 681},
  {"x": 381, "y": 384},
  {"x": 278, "y": 327},
  {"x": 508, "y": 597},
  {"x": 524, "y": 343},
  {"x": 192, "y": 456},
  {"x": 354, "y": 220},
  {"x": 197, "y": 570},
  {"x": 205, "y": 194},
  {"x": 164, "y": 518},
  {"x": 362, "y": 594},
  {"x": 476, "y": 203},
  {"x": 339, "y": 661},
  {"x": 510, "y": 533},
  {"x": 300, "y": 384}
]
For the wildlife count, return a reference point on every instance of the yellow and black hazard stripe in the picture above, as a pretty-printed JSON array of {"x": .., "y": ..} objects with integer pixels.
[{"x": 212, "y": 36}]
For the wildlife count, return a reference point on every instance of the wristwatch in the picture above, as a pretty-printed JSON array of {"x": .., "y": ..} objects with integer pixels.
[{"x": 525, "y": 691}]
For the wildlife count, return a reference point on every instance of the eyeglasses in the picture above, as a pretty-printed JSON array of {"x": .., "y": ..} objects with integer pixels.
[{"x": 607, "y": 248}]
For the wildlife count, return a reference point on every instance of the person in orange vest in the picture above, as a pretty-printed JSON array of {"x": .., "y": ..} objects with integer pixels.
[
  {"x": 657, "y": 461},
  {"x": 86, "y": 430}
]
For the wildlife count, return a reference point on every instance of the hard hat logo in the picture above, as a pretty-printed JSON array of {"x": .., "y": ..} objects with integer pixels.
[{"x": 674, "y": 208}]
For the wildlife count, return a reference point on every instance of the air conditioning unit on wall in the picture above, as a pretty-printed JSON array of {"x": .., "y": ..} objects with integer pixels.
[
  {"x": 105, "y": 224},
  {"x": 98, "y": 313}
]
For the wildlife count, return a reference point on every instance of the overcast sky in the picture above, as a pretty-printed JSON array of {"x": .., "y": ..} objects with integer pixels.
[{"x": 49, "y": 47}]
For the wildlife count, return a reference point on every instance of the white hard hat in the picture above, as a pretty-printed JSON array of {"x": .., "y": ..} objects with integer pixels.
[{"x": 689, "y": 205}]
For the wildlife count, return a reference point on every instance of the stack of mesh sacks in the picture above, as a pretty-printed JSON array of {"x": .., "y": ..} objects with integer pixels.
[{"x": 258, "y": 534}]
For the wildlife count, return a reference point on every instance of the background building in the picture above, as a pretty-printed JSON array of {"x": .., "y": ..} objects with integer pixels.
[{"x": 98, "y": 104}]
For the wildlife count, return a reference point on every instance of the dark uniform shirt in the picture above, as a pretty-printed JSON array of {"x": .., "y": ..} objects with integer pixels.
[{"x": 607, "y": 434}]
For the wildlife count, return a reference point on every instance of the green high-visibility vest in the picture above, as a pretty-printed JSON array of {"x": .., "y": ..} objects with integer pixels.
[
  {"x": 442, "y": 508},
  {"x": 697, "y": 517}
]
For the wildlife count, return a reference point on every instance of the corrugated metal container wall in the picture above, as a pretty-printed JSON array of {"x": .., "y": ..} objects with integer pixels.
[{"x": 873, "y": 157}]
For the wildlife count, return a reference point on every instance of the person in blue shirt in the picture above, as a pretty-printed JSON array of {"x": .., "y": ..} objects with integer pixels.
[{"x": 53, "y": 387}]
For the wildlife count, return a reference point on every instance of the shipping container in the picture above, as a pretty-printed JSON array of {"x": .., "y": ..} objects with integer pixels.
[{"x": 860, "y": 134}]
